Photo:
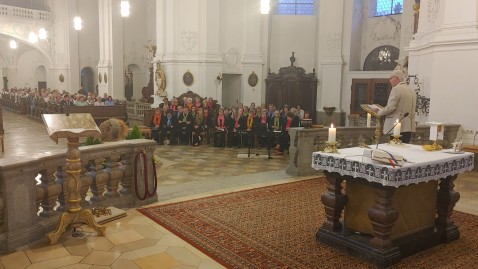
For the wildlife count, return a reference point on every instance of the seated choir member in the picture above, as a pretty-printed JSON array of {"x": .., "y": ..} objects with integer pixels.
[
  {"x": 155, "y": 124},
  {"x": 198, "y": 103},
  {"x": 239, "y": 124},
  {"x": 220, "y": 129},
  {"x": 207, "y": 122},
  {"x": 185, "y": 121},
  {"x": 168, "y": 126},
  {"x": 198, "y": 127},
  {"x": 276, "y": 126},
  {"x": 291, "y": 121}
]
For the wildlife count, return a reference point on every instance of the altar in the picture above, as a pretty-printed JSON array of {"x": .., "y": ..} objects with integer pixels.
[{"x": 389, "y": 212}]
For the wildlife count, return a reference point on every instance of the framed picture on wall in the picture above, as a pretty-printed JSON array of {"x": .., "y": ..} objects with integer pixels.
[
  {"x": 253, "y": 79},
  {"x": 188, "y": 78}
]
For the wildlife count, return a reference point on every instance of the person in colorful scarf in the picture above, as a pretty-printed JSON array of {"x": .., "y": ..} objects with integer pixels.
[
  {"x": 220, "y": 129},
  {"x": 156, "y": 124}
]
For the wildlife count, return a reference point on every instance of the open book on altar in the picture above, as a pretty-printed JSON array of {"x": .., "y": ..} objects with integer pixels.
[{"x": 370, "y": 108}]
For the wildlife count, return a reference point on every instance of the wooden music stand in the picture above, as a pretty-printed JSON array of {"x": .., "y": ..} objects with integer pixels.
[{"x": 72, "y": 127}]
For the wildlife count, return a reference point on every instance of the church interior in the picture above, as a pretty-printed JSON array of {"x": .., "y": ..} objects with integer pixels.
[{"x": 327, "y": 56}]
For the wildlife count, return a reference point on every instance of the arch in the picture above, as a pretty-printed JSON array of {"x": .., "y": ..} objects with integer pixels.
[
  {"x": 24, "y": 40},
  {"x": 382, "y": 58},
  {"x": 87, "y": 79},
  {"x": 134, "y": 81}
]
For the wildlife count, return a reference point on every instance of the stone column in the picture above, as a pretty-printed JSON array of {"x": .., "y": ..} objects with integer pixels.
[
  {"x": 444, "y": 54},
  {"x": 110, "y": 66},
  {"x": 330, "y": 62}
]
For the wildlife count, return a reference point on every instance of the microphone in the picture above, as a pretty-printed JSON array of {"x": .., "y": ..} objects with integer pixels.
[{"x": 404, "y": 116}]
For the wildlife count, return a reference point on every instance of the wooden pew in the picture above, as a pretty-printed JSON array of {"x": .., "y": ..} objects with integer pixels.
[{"x": 100, "y": 113}]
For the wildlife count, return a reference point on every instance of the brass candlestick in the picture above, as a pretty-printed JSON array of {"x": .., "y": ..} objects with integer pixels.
[
  {"x": 72, "y": 127},
  {"x": 396, "y": 140},
  {"x": 331, "y": 147}
]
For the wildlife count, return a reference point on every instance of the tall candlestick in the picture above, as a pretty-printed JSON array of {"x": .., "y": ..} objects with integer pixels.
[
  {"x": 369, "y": 119},
  {"x": 332, "y": 133},
  {"x": 396, "y": 129}
]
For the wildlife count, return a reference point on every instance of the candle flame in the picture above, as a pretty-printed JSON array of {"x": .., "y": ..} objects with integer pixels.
[
  {"x": 331, "y": 125},
  {"x": 396, "y": 121}
]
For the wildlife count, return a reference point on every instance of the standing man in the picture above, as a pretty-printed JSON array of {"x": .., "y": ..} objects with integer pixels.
[{"x": 402, "y": 100}]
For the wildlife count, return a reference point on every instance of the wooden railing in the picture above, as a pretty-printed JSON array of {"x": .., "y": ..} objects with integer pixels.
[
  {"x": 136, "y": 110},
  {"x": 32, "y": 193},
  {"x": 305, "y": 141}
]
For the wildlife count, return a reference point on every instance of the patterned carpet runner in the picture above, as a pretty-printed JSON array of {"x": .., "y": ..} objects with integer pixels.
[{"x": 274, "y": 227}]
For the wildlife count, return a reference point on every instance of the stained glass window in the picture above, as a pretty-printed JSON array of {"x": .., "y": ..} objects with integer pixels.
[
  {"x": 295, "y": 7},
  {"x": 388, "y": 7}
]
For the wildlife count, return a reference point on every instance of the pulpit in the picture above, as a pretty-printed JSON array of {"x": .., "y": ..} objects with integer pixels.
[{"x": 72, "y": 127}]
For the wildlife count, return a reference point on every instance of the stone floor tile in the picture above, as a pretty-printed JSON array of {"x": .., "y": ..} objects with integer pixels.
[
  {"x": 100, "y": 267},
  {"x": 158, "y": 261},
  {"x": 16, "y": 260},
  {"x": 98, "y": 257},
  {"x": 184, "y": 256},
  {"x": 171, "y": 240},
  {"x": 147, "y": 242},
  {"x": 77, "y": 266},
  {"x": 76, "y": 246},
  {"x": 124, "y": 237},
  {"x": 149, "y": 231},
  {"x": 185, "y": 267},
  {"x": 56, "y": 263},
  {"x": 210, "y": 264},
  {"x": 124, "y": 264},
  {"x": 143, "y": 252},
  {"x": 99, "y": 243},
  {"x": 46, "y": 253}
]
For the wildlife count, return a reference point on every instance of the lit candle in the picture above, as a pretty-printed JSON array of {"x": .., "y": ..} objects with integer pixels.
[
  {"x": 396, "y": 129},
  {"x": 332, "y": 133},
  {"x": 369, "y": 119}
]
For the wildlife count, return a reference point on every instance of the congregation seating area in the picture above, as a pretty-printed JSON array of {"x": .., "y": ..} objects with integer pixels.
[{"x": 24, "y": 106}]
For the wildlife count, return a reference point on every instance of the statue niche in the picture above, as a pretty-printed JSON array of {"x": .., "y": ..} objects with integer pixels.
[{"x": 148, "y": 91}]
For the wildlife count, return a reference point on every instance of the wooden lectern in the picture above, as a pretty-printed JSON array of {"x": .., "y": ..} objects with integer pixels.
[{"x": 72, "y": 127}]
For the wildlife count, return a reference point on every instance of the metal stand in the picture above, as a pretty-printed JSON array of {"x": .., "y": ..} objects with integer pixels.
[
  {"x": 331, "y": 147},
  {"x": 75, "y": 216},
  {"x": 396, "y": 140}
]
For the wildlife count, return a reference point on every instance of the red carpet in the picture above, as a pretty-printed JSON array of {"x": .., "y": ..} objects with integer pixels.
[{"x": 274, "y": 227}]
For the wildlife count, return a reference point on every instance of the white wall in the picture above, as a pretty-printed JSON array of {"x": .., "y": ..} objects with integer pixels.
[
  {"x": 293, "y": 34},
  {"x": 89, "y": 53},
  {"x": 24, "y": 74}
]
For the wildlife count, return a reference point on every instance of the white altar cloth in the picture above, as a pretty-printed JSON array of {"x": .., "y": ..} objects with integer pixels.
[{"x": 420, "y": 165}]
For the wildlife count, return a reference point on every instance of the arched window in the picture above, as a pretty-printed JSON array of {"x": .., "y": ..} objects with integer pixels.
[
  {"x": 382, "y": 58},
  {"x": 388, "y": 7},
  {"x": 295, "y": 7}
]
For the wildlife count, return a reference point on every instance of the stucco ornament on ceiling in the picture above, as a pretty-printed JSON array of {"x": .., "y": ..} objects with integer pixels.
[{"x": 385, "y": 28}]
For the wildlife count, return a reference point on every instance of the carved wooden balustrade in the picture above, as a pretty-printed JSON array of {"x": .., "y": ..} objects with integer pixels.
[
  {"x": 32, "y": 194},
  {"x": 305, "y": 141},
  {"x": 136, "y": 110}
]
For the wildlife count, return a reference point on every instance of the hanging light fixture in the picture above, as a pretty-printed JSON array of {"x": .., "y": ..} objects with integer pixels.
[
  {"x": 78, "y": 23},
  {"x": 42, "y": 34},
  {"x": 32, "y": 37},
  {"x": 265, "y": 6},
  {"x": 13, "y": 44},
  {"x": 124, "y": 8}
]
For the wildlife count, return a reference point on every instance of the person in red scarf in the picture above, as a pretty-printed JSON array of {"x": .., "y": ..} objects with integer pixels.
[
  {"x": 156, "y": 124},
  {"x": 291, "y": 121},
  {"x": 236, "y": 136},
  {"x": 220, "y": 129}
]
